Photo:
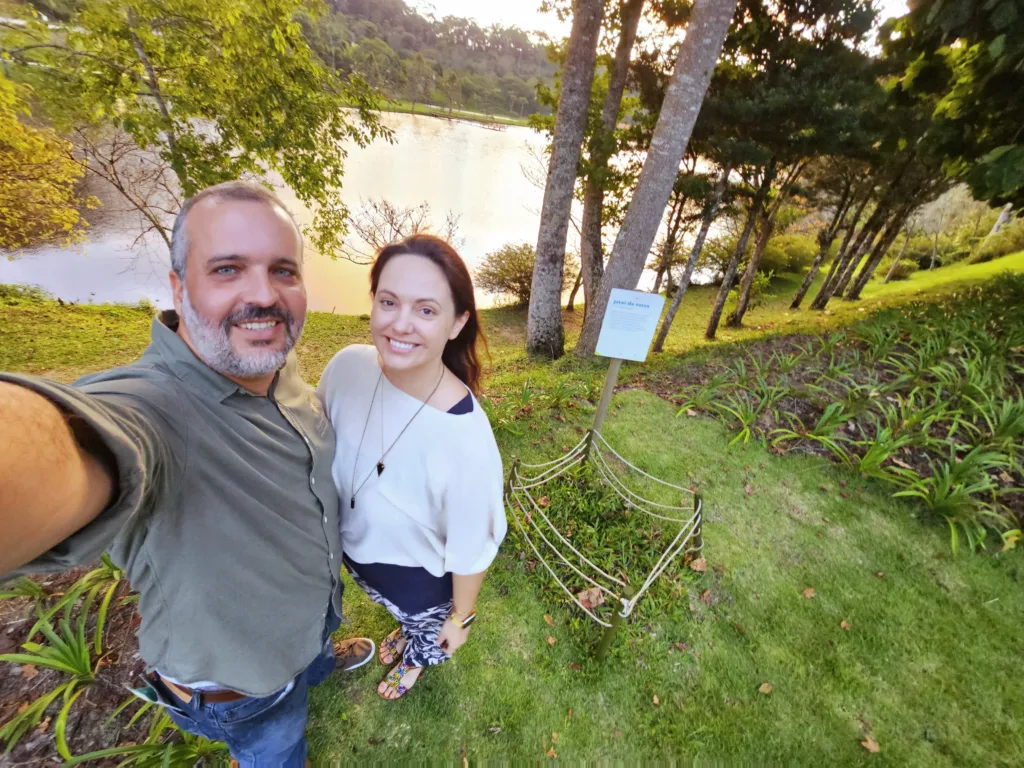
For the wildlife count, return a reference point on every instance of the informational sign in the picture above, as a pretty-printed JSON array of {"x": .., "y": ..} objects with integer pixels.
[{"x": 629, "y": 324}]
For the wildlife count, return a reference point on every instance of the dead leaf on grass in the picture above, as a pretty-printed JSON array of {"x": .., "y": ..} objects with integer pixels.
[
  {"x": 575, "y": 667},
  {"x": 871, "y": 745},
  {"x": 700, "y": 565},
  {"x": 705, "y": 597},
  {"x": 543, "y": 501},
  {"x": 845, "y": 625},
  {"x": 551, "y": 641},
  {"x": 41, "y": 728},
  {"x": 765, "y": 688},
  {"x": 808, "y": 593},
  {"x": 29, "y": 671},
  {"x": 690, "y": 412},
  {"x": 551, "y": 753},
  {"x": 880, "y": 574},
  {"x": 656, "y": 701},
  {"x": 683, "y": 647},
  {"x": 554, "y": 738},
  {"x": 748, "y": 489},
  {"x": 548, "y": 620},
  {"x": 591, "y": 598}
]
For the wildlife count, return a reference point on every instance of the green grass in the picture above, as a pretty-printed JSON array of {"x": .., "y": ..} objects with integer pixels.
[
  {"x": 406, "y": 107},
  {"x": 927, "y": 668}
]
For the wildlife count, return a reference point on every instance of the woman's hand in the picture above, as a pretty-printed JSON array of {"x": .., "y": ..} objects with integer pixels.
[{"x": 452, "y": 637}]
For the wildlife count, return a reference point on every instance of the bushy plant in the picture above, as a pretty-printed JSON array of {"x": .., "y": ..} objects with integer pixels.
[
  {"x": 1009, "y": 239},
  {"x": 18, "y": 294},
  {"x": 789, "y": 253},
  {"x": 903, "y": 270},
  {"x": 508, "y": 271}
]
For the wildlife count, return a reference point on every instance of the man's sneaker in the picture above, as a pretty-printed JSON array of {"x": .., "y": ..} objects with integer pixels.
[{"x": 351, "y": 653}]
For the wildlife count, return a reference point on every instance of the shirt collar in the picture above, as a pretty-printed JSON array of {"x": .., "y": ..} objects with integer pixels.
[{"x": 191, "y": 370}]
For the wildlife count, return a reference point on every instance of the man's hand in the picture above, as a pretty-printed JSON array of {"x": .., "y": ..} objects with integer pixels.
[
  {"x": 451, "y": 637},
  {"x": 51, "y": 486}
]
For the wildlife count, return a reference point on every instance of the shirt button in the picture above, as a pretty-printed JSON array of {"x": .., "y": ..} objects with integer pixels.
[
  {"x": 312, "y": 481},
  {"x": 325, "y": 518},
  {"x": 331, "y": 556}
]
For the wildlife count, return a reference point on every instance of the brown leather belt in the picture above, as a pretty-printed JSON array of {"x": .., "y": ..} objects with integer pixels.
[{"x": 184, "y": 693}]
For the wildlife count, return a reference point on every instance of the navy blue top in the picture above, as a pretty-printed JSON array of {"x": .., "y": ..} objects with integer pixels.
[{"x": 411, "y": 588}]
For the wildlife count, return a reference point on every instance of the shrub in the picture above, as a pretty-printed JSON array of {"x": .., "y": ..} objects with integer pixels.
[
  {"x": 1009, "y": 239},
  {"x": 789, "y": 253},
  {"x": 508, "y": 271},
  {"x": 16, "y": 294},
  {"x": 903, "y": 270},
  {"x": 758, "y": 290}
]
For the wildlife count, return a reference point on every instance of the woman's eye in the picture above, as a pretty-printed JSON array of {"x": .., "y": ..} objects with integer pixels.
[
  {"x": 427, "y": 311},
  {"x": 387, "y": 303}
]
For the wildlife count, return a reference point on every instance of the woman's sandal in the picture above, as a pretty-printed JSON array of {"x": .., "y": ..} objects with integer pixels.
[
  {"x": 389, "y": 649},
  {"x": 393, "y": 681}
]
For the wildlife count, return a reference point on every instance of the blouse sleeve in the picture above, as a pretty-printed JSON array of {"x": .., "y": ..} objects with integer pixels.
[{"x": 475, "y": 510}]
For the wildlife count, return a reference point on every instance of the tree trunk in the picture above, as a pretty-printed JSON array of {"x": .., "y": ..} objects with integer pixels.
[
  {"x": 571, "y": 306},
  {"x": 698, "y": 54},
  {"x": 886, "y": 240},
  {"x": 737, "y": 256},
  {"x": 843, "y": 269},
  {"x": 767, "y": 229},
  {"x": 935, "y": 252},
  {"x": 698, "y": 246},
  {"x": 828, "y": 236},
  {"x": 544, "y": 333},
  {"x": 844, "y": 248},
  {"x": 675, "y": 218},
  {"x": 858, "y": 255},
  {"x": 899, "y": 258},
  {"x": 1003, "y": 220},
  {"x": 600, "y": 148}
]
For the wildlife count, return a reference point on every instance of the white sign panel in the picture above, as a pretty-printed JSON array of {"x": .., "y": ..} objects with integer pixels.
[{"x": 629, "y": 324}]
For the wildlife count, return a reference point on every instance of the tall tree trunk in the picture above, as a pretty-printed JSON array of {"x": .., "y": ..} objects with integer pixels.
[
  {"x": 898, "y": 259},
  {"x": 844, "y": 248},
  {"x": 571, "y": 305},
  {"x": 843, "y": 280},
  {"x": 825, "y": 240},
  {"x": 600, "y": 148},
  {"x": 886, "y": 240},
  {"x": 767, "y": 229},
  {"x": 675, "y": 218},
  {"x": 935, "y": 252},
  {"x": 737, "y": 257},
  {"x": 850, "y": 259},
  {"x": 698, "y": 246},
  {"x": 1003, "y": 220},
  {"x": 698, "y": 54},
  {"x": 544, "y": 332}
]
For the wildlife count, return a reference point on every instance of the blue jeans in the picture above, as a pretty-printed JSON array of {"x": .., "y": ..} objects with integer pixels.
[{"x": 260, "y": 731}]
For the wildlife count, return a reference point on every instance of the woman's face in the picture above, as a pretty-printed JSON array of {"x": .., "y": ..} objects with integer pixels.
[{"x": 413, "y": 315}]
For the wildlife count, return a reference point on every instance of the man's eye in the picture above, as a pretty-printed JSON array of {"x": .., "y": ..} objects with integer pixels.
[
  {"x": 226, "y": 270},
  {"x": 285, "y": 272}
]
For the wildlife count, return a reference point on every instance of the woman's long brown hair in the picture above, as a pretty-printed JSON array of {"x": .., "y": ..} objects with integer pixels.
[{"x": 460, "y": 354}]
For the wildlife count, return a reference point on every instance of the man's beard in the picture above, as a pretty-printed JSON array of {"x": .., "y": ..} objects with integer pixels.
[{"x": 212, "y": 344}]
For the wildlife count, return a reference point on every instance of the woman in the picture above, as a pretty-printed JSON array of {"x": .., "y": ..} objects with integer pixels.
[{"x": 417, "y": 469}]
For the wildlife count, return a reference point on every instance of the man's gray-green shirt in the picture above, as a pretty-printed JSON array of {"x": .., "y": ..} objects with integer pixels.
[{"x": 225, "y": 519}]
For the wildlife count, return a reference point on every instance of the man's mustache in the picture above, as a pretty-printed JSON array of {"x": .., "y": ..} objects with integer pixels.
[{"x": 254, "y": 314}]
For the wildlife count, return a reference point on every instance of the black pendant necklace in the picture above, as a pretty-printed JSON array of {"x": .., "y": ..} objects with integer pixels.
[{"x": 383, "y": 454}]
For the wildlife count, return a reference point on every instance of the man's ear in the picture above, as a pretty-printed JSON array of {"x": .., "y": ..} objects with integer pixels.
[
  {"x": 177, "y": 287},
  {"x": 460, "y": 323}
]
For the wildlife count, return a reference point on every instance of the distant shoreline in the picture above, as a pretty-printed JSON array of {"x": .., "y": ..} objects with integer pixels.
[{"x": 442, "y": 113}]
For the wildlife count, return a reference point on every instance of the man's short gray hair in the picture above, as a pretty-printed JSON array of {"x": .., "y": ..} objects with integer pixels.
[{"x": 229, "y": 190}]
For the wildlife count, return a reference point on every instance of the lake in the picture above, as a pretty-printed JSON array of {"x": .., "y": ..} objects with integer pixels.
[{"x": 473, "y": 171}]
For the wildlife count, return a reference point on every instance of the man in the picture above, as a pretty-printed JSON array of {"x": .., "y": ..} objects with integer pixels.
[{"x": 204, "y": 468}]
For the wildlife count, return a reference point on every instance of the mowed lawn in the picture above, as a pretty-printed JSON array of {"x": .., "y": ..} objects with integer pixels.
[{"x": 926, "y": 666}]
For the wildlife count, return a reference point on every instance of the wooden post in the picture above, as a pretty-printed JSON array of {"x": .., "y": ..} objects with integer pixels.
[
  {"x": 602, "y": 406},
  {"x": 610, "y": 632}
]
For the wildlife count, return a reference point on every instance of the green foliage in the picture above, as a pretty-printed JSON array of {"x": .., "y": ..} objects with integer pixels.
[
  {"x": 39, "y": 202},
  {"x": 508, "y": 272},
  {"x": 789, "y": 253},
  {"x": 163, "y": 73},
  {"x": 902, "y": 271},
  {"x": 1009, "y": 239}
]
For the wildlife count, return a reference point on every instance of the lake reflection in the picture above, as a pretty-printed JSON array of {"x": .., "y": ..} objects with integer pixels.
[{"x": 470, "y": 170}]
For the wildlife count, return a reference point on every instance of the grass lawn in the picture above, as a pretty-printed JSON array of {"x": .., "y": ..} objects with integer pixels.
[{"x": 925, "y": 667}]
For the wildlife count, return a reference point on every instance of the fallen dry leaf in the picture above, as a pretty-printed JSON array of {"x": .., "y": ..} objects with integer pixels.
[
  {"x": 880, "y": 574},
  {"x": 543, "y": 501},
  {"x": 690, "y": 412},
  {"x": 682, "y": 647},
  {"x": 845, "y": 625},
  {"x": 825, "y": 519},
  {"x": 656, "y": 701},
  {"x": 570, "y": 714},
  {"x": 705, "y": 597},
  {"x": 871, "y": 745},
  {"x": 1005, "y": 476},
  {"x": 845, "y": 495},
  {"x": 29, "y": 671},
  {"x": 700, "y": 565},
  {"x": 41, "y": 728},
  {"x": 808, "y": 593},
  {"x": 560, "y": 417},
  {"x": 554, "y": 738},
  {"x": 591, "y": 598},
  {"x": 575, "y": 667},
  {"x": 548, "y": 620},
  {"x": 551, "y": 641},
  {"x": 748, "y": 489},
  {"x": 901, "y": 463},
  {"x": 551, "y": 753},
  {"x": 765, "y": 688}
]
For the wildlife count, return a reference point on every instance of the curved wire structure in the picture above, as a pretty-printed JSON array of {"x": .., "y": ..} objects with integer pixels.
[{"x": 552, "y": 547}]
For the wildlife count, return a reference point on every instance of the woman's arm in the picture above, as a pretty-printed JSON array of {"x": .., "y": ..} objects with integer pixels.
[{"x": 465, "y": 590}]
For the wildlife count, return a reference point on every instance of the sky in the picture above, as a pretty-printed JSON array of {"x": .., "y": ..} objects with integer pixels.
[{"x": 525, "y": 14}]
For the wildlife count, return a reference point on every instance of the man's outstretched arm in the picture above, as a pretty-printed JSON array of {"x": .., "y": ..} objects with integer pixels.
[{"x": 51, "y": 485}]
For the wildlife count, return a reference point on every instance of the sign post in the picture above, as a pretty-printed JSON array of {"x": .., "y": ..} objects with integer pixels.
[{"x": 626, "y": 333}]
